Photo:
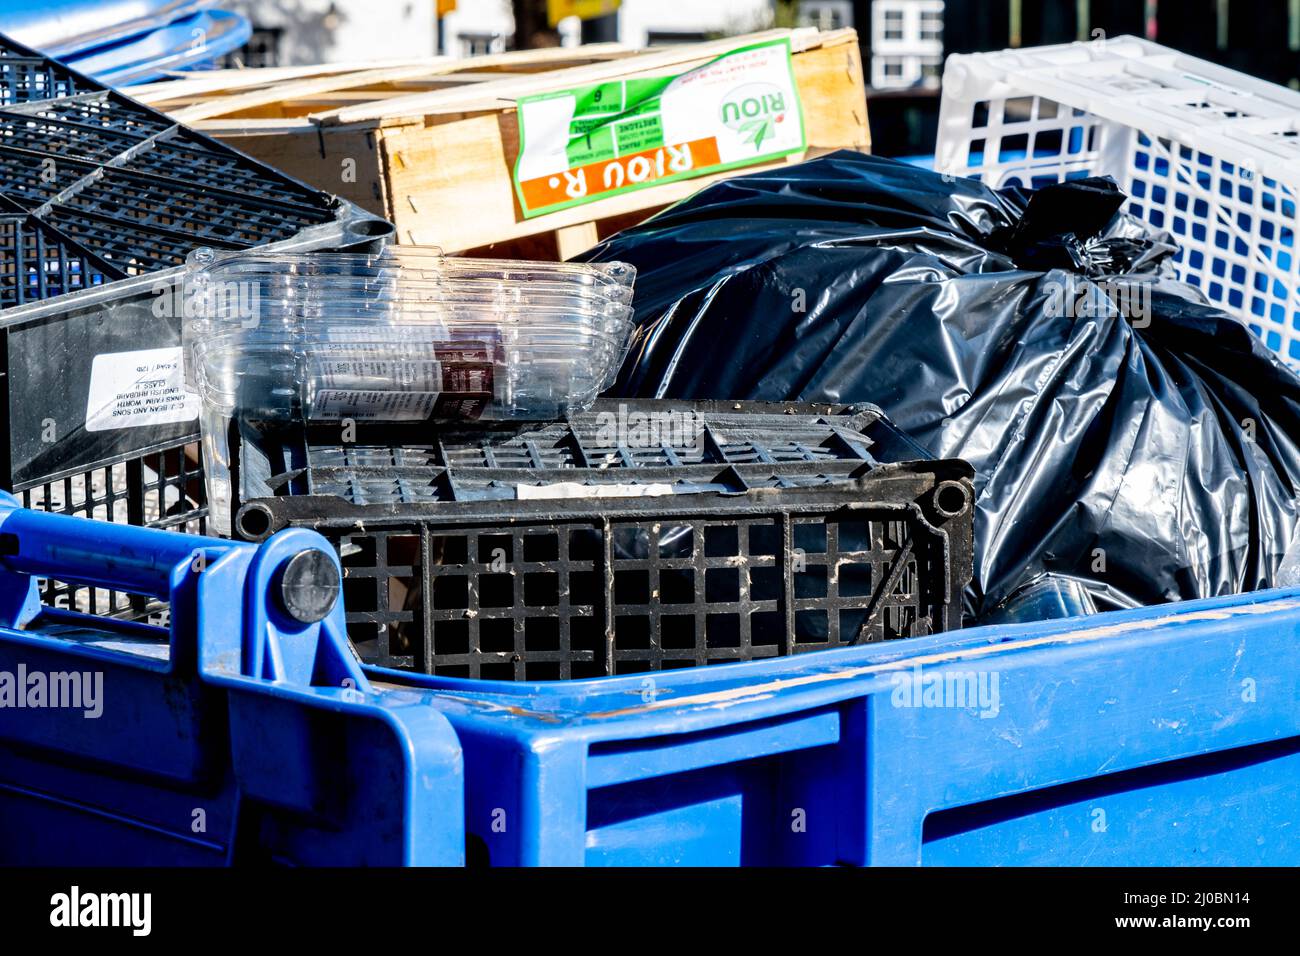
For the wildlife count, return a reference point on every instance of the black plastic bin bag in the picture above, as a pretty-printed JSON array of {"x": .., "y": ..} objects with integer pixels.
[{"x": 1123, "y": 432}]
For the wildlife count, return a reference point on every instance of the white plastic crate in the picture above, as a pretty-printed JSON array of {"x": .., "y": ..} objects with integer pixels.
[{"x": 1207, "y": 153}]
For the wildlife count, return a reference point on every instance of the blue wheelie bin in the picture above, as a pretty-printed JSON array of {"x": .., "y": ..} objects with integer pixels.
[{"x": 244, "y": 728}]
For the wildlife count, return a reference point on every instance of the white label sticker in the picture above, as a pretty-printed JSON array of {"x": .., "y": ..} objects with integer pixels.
[
  {"x": 372, "y": 404},
  {"x": 425, "y": 376},
  {"x": 135, "y": 389},
  {"x": 575, "y": 489}
]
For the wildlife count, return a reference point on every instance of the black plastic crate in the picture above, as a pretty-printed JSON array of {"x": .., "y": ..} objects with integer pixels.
[
  {"x": 775, "y": 529},
  {"x": 101, "y": 199}
]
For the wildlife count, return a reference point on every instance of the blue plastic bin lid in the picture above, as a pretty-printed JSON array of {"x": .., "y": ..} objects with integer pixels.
[
  {"x": 183, "y": 45},
  {"x": 60, "y": 27}
]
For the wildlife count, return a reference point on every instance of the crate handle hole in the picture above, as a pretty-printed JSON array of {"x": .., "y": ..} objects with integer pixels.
[
  {"x": 254, "y": 522},
  {"x": 951, "y": 498}
]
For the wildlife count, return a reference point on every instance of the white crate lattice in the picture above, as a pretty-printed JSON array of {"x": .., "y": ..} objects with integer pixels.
[{"x": 1210, "y": 154}]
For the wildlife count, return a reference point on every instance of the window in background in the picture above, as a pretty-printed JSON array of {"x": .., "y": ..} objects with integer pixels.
[
  {"x": 892, "y": 24},
  {"x": 479, "y": 44},
  {"x": 262, "y": 49},
  {"x": 932, "y": 24},
  {"x": 906, "y": 43},
  {"x": 673, "y": 37},
  {"x": 826, "y": 14}
]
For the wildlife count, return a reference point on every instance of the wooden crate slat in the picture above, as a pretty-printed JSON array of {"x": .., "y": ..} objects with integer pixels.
[{"x": 442, "y": 174}]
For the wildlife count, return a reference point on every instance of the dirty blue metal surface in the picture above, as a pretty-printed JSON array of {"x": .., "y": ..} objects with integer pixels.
[{"x": 1167, "y": 735}]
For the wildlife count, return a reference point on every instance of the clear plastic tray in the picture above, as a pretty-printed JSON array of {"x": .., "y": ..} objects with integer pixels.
[
  {"x": 406, "y": 335},
  {"x": 414, "y": 262},
  {"x": 376, "y": 307}
]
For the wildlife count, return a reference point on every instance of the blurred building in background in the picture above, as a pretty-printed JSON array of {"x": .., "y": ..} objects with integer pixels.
[
  {"x": 475, "y": 24},
  {"x": 287, "y": 32},
  {"x": 290, "y": 32},
  {"x": 904, "y": 41}
]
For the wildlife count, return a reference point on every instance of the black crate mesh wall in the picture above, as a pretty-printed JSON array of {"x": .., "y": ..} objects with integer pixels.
[
  {"x": 121, "y": 186},
  {"x": 25, "y": 77},
  {"x": 587, "y": 599},
  {"x": 161, "y": 490},
  {"x": 38, "y": 264}
]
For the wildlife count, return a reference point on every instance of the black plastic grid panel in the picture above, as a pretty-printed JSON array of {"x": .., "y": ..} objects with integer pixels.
[
  {"x": 404, "y": 485},
  {"x": 40, "y": 264},
  {"x": 142, "y": 225},
  {"x": 579, "y": 599},
  {"x": 126, "y": 184},
  {"x": 160, "y": 490},
  {"x": 24, "y": 78},
  {"x": 30, "y": 181},
  {"x": 858, "y": 579},
  {"x": 556, "y": 447},
  {"x": 93, "y": 115},
  {"x": 586, "y": 442},
  {"x": 719, "y": 450},
  {"x": 50, "y": 134},
  {"x": 382, "y": 587},
  {"x": 204, "y": 166},
  {"x": 515, "y": 604}
]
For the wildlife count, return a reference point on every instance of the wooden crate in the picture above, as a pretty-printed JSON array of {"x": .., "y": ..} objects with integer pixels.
[{"x": 430, "y": 144}]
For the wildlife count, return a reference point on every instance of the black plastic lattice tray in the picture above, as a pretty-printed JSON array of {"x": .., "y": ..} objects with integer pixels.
[
  {"x": 101, "y": 198},
  {"x": 767, "y": 529}
]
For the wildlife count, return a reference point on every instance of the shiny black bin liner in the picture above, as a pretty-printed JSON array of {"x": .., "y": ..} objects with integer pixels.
[{"x": 1123, "y": 431}]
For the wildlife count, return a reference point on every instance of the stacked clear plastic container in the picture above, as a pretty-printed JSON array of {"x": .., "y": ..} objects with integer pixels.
[{"x": 402, "y": 336}]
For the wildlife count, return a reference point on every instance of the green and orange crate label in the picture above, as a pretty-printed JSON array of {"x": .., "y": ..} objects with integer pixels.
[{"x": 580, "y": 145}]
